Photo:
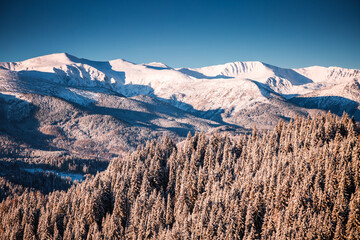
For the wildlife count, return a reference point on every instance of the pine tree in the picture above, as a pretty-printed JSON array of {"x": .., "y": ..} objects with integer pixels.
[
  {"x": 353, "y": 224},
  {"x": 299, "y": 181}
]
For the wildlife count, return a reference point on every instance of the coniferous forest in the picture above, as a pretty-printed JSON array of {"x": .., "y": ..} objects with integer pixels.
[{"x": 300, "y": 180}]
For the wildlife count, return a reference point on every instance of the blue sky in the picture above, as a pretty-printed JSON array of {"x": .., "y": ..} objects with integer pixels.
[{"x": 185, "y": 33}]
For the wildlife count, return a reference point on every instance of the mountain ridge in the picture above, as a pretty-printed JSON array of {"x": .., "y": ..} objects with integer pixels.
[
  {"x": 231, "y": 69},
  {"x": 148, "y": 100}
]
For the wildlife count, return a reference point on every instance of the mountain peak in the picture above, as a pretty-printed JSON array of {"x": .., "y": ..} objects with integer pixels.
[
  {"x": 241, "y": 67},
  {"x": 233, "y": 69},
  {"x": 50, "y": 60},
  {"x": 232, "y": 92}
]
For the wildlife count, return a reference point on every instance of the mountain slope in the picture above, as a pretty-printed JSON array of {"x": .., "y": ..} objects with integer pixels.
[
  {"x": 299, "y": 181},
  {"x": 120, "y": 103}
]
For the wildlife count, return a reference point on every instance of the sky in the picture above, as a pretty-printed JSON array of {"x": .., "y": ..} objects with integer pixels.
[{"x": 186, "y": 33}]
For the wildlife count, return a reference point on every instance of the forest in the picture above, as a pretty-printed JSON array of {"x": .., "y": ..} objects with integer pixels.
[{"x": 300, "y": 180}]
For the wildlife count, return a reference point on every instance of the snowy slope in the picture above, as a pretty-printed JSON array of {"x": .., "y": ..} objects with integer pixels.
[
  {"x": 59, "y": 103},
  {"x": 214, "y": 92},
  {"x": 330, "y": 75}
]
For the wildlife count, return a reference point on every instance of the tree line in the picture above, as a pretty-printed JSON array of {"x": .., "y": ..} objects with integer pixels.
[{"x": 299, "y": 181}]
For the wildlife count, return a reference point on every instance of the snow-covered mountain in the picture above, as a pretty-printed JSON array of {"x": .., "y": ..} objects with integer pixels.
[{"x": 157, "y": 98}]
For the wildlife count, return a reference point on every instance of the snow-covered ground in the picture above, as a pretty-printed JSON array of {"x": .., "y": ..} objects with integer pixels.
[
  {"x": 205, "y": 88},
  {"x": 231, "y": 87}
]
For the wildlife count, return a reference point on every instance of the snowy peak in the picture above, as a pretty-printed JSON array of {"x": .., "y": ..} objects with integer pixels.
[
  {"x": 233, "y": 69},
  {"x": 280, "y": 80},
  {"x": 236, "y": 69},
  {"x": 234, "y": 92},
  {"x": 55, "y": 59},
  {"x": 333, "y": 75},
  {"x": 183, "y": 84}
]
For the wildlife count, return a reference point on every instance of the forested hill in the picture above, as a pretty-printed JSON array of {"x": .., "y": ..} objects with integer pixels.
[{"x": 299, "y": 181}]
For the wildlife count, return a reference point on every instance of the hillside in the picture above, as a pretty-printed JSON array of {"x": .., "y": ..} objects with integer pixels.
[
  {"x": 63, "y": 104},
  {"x": 299, "y": 181}
]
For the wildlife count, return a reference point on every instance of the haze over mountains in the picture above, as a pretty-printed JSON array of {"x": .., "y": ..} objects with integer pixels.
[{"x": 60, "y": 104}]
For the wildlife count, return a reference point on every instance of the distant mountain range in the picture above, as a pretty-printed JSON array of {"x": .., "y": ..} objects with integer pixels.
[{"x": 59, "y": 104}]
